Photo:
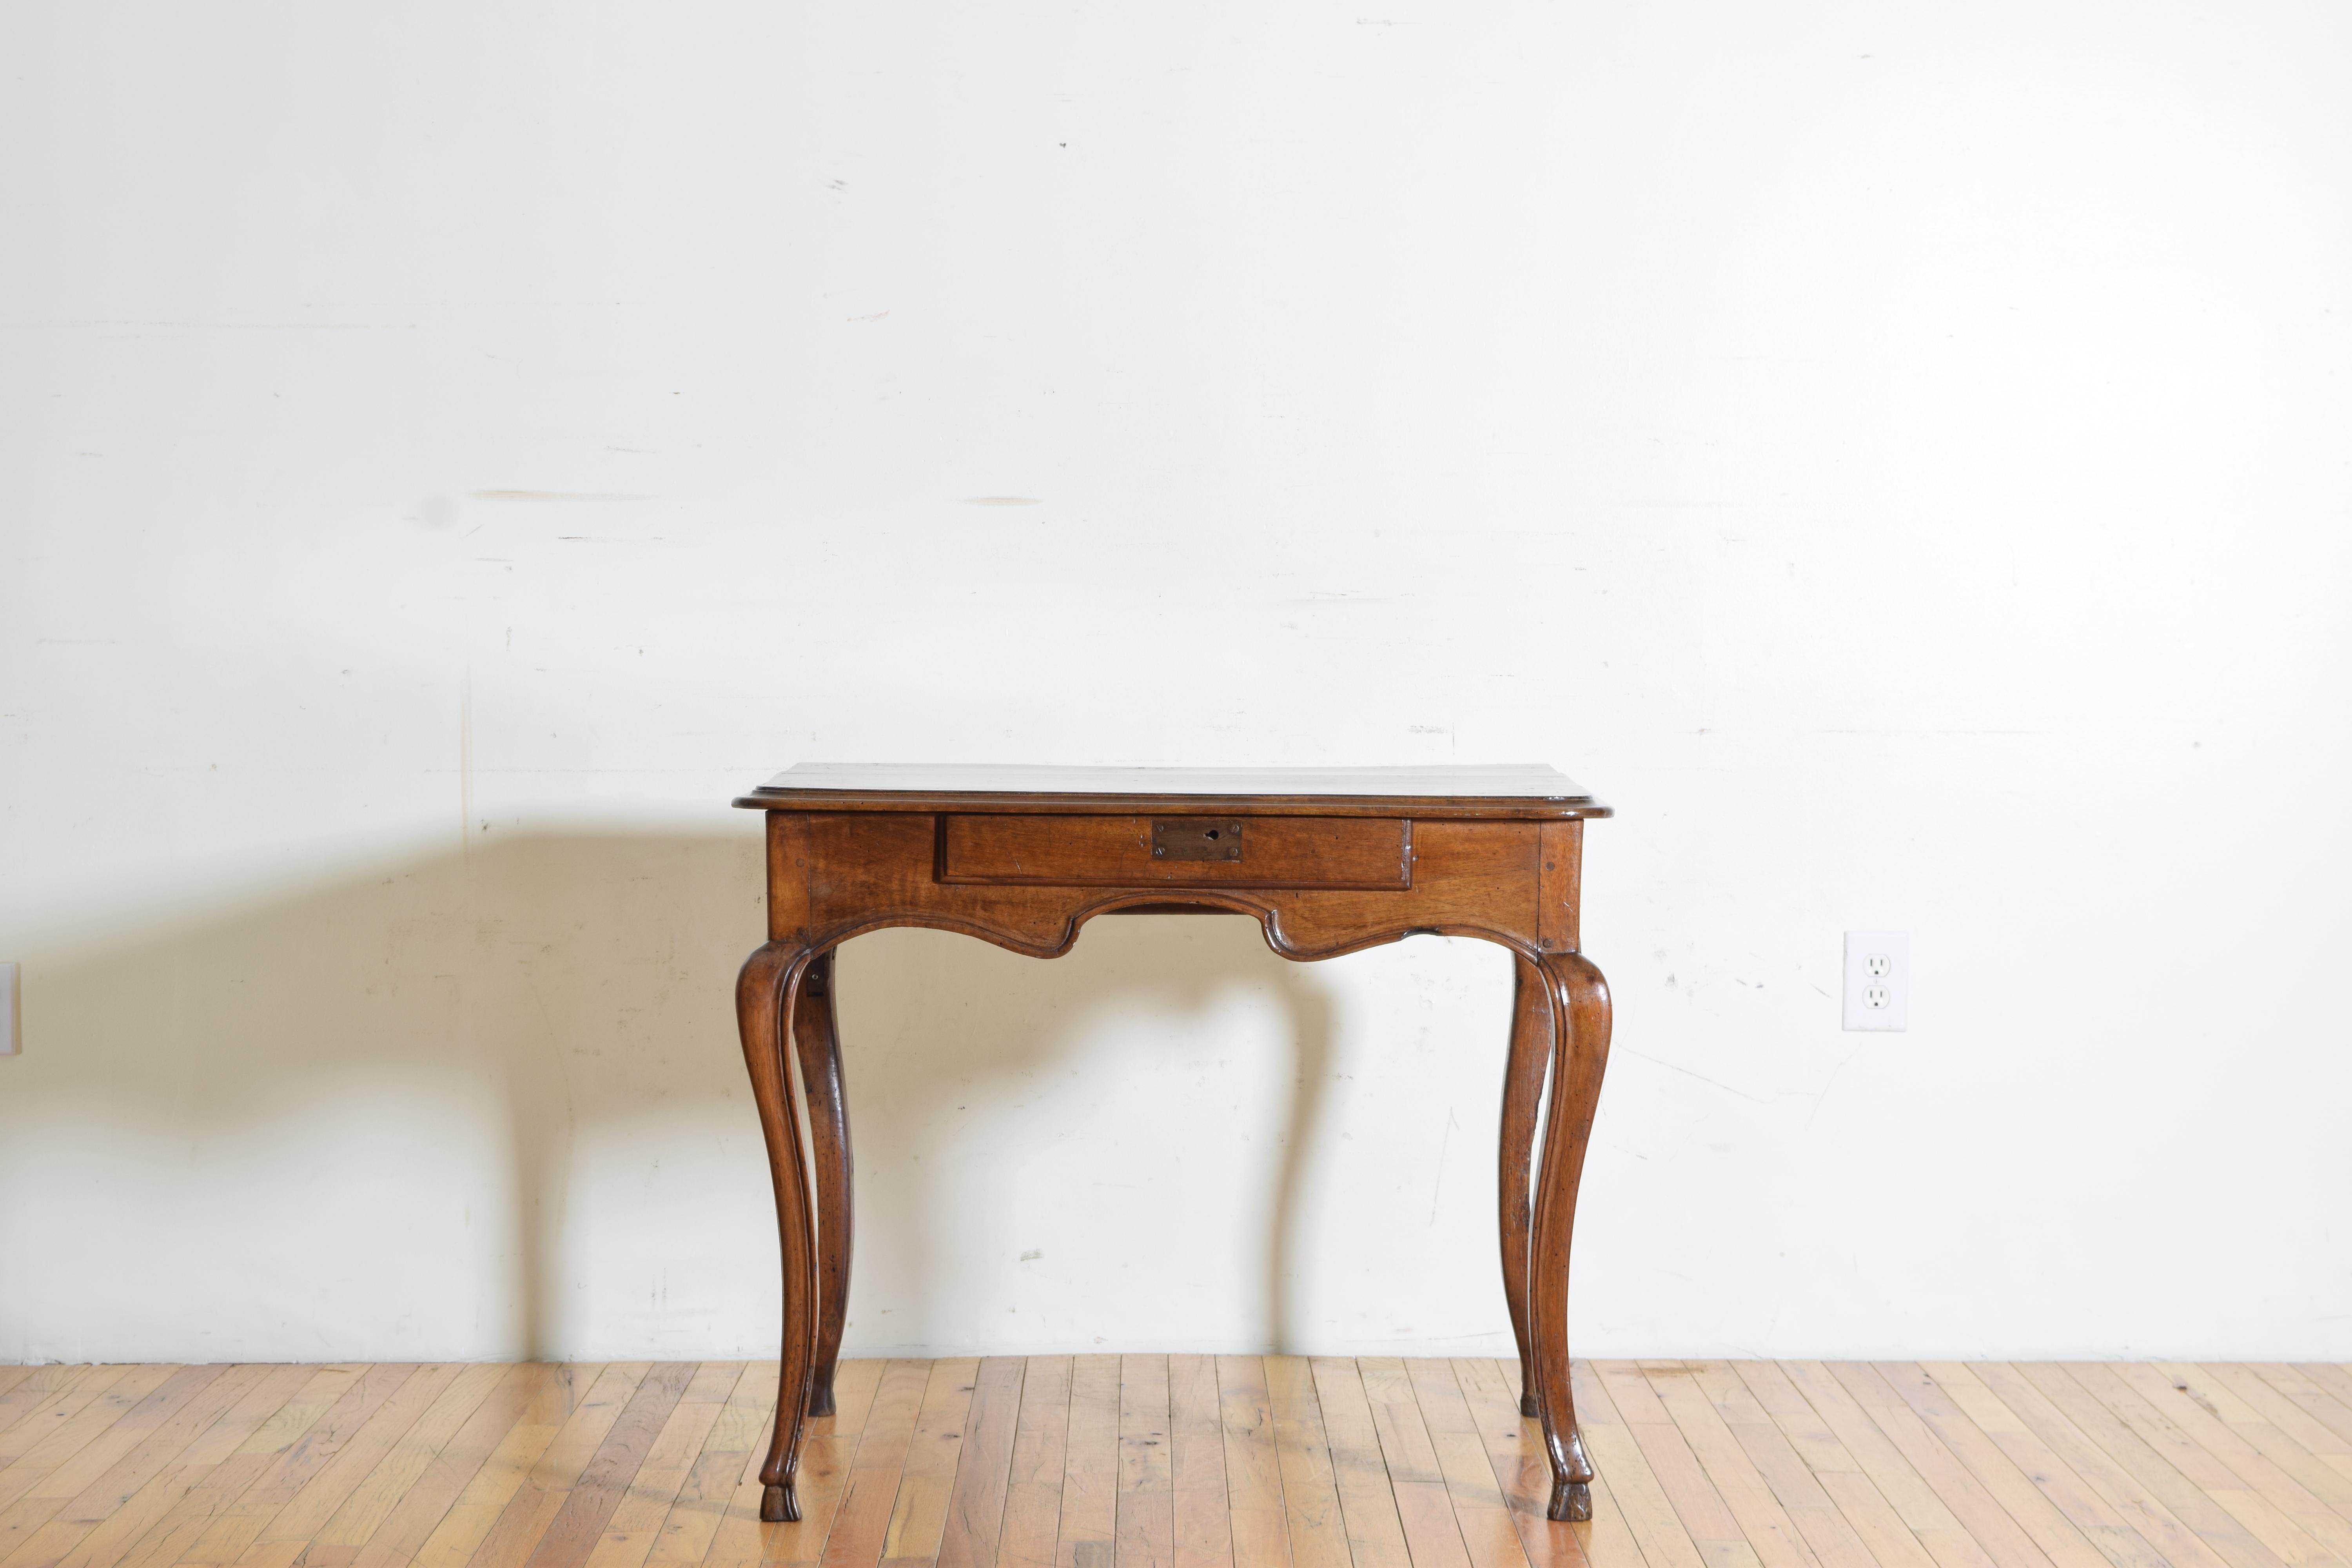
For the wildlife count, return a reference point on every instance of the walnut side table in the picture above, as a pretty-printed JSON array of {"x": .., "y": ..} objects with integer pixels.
[{"x": 1328, "y": 860}]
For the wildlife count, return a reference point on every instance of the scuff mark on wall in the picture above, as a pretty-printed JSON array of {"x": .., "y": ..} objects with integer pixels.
[{"x": 554, "y": 495}]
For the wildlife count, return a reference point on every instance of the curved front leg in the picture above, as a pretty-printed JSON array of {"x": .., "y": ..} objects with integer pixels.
[
  {"x": 1523, "y": 1078},
  {"x": 1579, "y": 1001},
  {"x": 820, "y": 1052},
  {"x": 766, "y": 994}
]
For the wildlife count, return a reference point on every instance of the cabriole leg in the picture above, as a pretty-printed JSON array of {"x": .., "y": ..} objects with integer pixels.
[
  {"x": 766, "y": 994},
  {"x": 1523, "y": 1078},
  {"x": 1579, "y": 999},
  {"x": 820, "y": 1052}
]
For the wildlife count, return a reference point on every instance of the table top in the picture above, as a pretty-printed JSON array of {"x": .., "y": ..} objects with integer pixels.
[{"x": 1529, "y": 790}]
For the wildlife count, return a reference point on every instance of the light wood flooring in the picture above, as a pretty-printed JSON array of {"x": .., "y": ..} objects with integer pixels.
[{"x": 1148, "y": 1461}]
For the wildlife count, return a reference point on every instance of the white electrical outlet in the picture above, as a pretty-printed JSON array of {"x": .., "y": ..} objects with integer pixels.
[
  {"x": 1878, "y": 979},
  {"x": 8, "y": 1027}
]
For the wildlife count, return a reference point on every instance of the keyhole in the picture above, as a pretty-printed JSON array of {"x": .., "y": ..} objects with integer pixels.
[{"x": 1212, "y": 833}]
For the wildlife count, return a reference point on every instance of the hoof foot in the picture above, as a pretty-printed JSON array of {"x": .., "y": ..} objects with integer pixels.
[
  {"x": 820, "y": 1396},
  {"x": 1571, "y": 1502},
  {"x": 1528, "y": 1406},
  {"x": 778, "y": 1506}
]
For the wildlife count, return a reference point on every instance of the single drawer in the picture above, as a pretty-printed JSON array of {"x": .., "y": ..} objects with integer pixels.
[{"x": 1236, "y": 851}]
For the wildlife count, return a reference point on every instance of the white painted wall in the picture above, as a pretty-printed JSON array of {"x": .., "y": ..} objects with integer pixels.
[{"x": 1897, "y": 454}]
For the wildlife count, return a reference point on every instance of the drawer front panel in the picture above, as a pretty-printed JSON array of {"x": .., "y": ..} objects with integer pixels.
[{"x": 1195, "y": 851}]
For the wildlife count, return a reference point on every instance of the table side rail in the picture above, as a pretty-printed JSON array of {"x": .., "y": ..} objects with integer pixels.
[{"x": 832, "y": 877}]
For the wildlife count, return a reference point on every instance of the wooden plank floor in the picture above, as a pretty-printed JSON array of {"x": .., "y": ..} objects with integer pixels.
[{"x": 1148, "y": 1461}]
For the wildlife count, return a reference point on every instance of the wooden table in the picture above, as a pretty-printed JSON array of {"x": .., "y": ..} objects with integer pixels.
[{"x": 1328, "y": 860}]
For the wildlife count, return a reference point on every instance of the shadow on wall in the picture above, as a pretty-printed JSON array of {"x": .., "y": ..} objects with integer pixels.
[{"x": 571, "y": 986}]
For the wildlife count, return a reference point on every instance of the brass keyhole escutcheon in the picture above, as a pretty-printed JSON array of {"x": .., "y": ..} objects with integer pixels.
[{"x": 1196, "y": 838}]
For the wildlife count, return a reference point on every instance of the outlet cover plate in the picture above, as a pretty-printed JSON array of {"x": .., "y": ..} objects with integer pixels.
[{"x": 1877, "y": 981}]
